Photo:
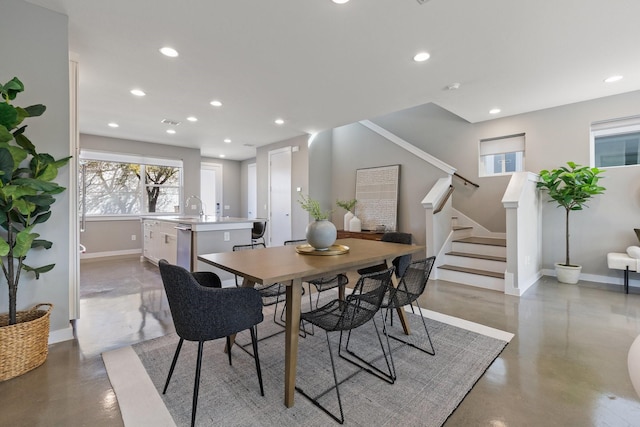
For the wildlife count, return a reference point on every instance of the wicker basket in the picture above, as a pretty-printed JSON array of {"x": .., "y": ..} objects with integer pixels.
[{"x": 25, "y": 345}]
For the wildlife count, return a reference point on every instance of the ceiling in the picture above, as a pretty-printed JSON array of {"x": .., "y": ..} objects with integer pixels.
[{"x": 319, "y": 65}]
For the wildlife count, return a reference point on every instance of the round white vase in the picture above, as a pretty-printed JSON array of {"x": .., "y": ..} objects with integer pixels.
[
  {"x": 347, "y": 218},
  {"x": 568, "y": 273},
  {"x": 355, "y": 224},
  {"x": 321, "y": 234}
]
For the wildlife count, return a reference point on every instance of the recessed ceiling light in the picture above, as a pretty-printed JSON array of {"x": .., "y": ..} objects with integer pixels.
[
  {"x": 421, "y": 56},
  {"x": 222, "y": 155},
  {"x": 340, "y": 1},
  {"x": 494, "y": 111},
  {"x": 278, "y": 121},
  {"x": 113, "y": 125},
  {"x": 171, "y": 131},
  {"x": 169, "y": 51},
  {"x": 192, "y": 119},
  {"x": 216, "y": 103},
  {"x": 137, "y": 92},
  {"x": 227, "y": 140},
  {"x": 612, "y": 79}
]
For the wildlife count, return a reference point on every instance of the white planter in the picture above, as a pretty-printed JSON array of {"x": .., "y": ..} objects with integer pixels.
[
  {"x": 321, "y": 234},
  {"x": 568, "y": 274}
]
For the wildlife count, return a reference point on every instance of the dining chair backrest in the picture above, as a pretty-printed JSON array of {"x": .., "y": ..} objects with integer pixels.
[
  {"x": 366, "y": 299},
  {"x": 401, "y": 262},
  {"x": 205, "y": 313},
  {"x": 412, "y": 283}
]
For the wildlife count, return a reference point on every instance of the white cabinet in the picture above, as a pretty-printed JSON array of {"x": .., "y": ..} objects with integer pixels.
[{"x": 159, "y": 240}]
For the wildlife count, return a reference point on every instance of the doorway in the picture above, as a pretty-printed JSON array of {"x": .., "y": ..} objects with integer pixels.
[
  {"x": 252, "y": 191},
  {"x": 211, "y": 188},
  {"x": 279, "y": 196}
]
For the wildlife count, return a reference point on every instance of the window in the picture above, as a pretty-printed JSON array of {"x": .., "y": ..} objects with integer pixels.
[
  {"x": 112, "y": 184},
  {"x": 501, "y": 155},
  {"x": 616, "y": 142}
]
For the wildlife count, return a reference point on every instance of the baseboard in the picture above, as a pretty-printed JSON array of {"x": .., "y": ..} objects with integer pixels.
[
  {"x": 60, "y": 335},
  {"x": 108, "y": 254},
  {"x": 597, "y": 278}
]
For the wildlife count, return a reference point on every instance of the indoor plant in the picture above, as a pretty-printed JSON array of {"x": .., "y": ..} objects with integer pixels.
[
  {"x": 26, "y": 195},
  {"x": 570, "y": 187},
  {"x": 349, "y": 206},
  {"x": 321, "y": 233}
]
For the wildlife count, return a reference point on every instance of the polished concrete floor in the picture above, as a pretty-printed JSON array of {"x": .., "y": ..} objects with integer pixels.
[{"x": 566, "y": 366}]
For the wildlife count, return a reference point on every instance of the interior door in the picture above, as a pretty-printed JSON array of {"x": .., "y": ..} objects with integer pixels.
[
  {"x": 252, "y": 191},
  {"x": 211, "y": 188},
  {"x": 279, "y": 196}
]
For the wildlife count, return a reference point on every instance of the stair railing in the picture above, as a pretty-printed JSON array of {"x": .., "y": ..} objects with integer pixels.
[
  {"x": 465, "y": 180},
  {"x": 444, "y": 200}
]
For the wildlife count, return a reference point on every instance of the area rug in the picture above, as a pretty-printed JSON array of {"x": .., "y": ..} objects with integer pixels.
[{"x": 428, "y": 388}]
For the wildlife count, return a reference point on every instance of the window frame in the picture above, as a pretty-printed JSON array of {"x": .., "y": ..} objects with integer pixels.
[
  {"x": 143, "y": 161},
  {"x": 613, "y": 127},
  {"x": 501, "y": 145}
]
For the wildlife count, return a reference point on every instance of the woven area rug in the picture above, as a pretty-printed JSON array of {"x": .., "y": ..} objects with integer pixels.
[{"x": 427, "y": 391}]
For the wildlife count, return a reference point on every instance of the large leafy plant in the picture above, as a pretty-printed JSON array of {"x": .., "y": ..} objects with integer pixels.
[
  {"x": 571, "y": 187},
  {"x": 26, "y": 191}
]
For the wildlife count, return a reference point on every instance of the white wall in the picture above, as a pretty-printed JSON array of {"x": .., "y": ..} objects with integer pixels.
[{"x": 34, "y": 48}]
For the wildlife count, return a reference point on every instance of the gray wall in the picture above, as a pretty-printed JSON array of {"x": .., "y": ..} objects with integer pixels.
[
  {"x": 111, "y": 236},
  {"x": 557, "y": 135},
  {"x": 34, "y": 48}
]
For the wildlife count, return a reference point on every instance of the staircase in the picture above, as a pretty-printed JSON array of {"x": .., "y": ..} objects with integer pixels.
[{"x": 475, "y": 261}]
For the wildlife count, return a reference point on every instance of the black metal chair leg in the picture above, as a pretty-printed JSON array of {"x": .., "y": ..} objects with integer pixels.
[
  {"x": 173, "y": 365},
  {"x": 431, "y": 352},
  {"x": 229, "y": 349},
  {"x": 254, "y": 342},
  {"x": 196, "y": 385},
  {"x": 389, "y": 377}
]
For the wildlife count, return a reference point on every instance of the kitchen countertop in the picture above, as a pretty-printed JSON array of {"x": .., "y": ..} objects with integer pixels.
[{"x": 205, "y": 219}]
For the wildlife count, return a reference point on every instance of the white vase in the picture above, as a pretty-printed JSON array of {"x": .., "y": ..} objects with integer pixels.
[
  {"x": 321, "y": 234},
  {"x": 355, "y": 224},
  {"x": 347, "y": 218}
]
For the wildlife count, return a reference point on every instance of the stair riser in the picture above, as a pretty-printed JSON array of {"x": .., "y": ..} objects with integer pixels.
[
  {"x": 472, "y": 248},
  {"x": 478, "y": 264},
  {"x": 461, "y": 234},
  {"x": 475, "y": 280}
]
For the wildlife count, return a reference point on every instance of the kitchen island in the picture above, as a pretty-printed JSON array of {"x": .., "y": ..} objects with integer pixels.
[{"x": 180, "y": 239}]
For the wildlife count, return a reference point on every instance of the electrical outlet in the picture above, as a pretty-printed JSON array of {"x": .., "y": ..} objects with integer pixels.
[
  {"x": 133, "y": 237},
  {"x": 227, "y": 207},
  {"x": 227, "y": 237}
]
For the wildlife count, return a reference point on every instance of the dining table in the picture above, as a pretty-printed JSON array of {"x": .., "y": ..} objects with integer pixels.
[{"x": 291, "y": 266}]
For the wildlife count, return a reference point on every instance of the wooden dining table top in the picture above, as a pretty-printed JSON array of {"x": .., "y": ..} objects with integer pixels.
[{"x": 283, "y": 263}]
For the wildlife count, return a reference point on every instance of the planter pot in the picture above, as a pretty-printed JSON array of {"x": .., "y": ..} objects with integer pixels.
[
  {"x": 568, "y": 273},
  {"x": 321, "y": 234},
  {"x": 25, "y": 345}
]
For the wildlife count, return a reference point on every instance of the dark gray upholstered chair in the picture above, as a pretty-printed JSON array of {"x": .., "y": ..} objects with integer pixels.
[
  {"x": 203, "y": 311},
  {"x": 324, "y": 283},
  {"x": 257, "y": 232},
  {"x": 357, "y": 309},
  {"x": 400, "y": 263},
  {"x": 411, "y": 285}
]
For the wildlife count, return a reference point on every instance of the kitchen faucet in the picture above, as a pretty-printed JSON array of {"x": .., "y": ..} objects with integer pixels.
[{"x": 200, "y": 204}]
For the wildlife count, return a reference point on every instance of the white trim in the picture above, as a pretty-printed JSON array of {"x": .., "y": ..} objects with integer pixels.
[
  {"x": 60, "y": 335},
  {"x": 74, "y": 220},
  {"x": 108, "y": 156},
  {"x": 409, "y": 147},
  {"x": 130, "y": 379},
  {"x": 597, "y": 278},
  {"x": 111, "y": 253}
]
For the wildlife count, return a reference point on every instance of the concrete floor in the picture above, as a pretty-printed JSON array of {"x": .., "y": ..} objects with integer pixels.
[{"x": 566, "y": 366}]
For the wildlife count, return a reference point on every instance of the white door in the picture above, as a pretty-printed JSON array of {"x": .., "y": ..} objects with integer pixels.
[
  {"x": 211, "y": 188},
  {"x": 252, "y": 191},
  {"x": 279, "y": 196}
]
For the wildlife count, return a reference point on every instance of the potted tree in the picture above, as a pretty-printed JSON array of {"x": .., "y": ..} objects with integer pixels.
[
  {"x": 26, "y": 193},
  {"x": 570, "y": 187},
  {"x": 321, "y": 233}
]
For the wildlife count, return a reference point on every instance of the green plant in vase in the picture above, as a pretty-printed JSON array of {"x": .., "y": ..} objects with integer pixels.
[
  {"x": 321, "y": 233},
  {"x": 349, "y": 206}
]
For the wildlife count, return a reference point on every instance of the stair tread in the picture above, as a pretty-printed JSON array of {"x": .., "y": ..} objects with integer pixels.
[
  {"x": 461, "y": 227},
  {"x": 472, "y": 271},
  {"x": 478, "y": 256},
  {"x": 489, "y": 241}
]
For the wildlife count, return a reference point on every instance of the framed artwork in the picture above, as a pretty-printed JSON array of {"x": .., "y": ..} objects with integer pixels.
[{"x": 377, "y": 195}]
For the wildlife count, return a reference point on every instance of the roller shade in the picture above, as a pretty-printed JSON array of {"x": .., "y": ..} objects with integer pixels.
[{"x": 502, "y": 144}]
